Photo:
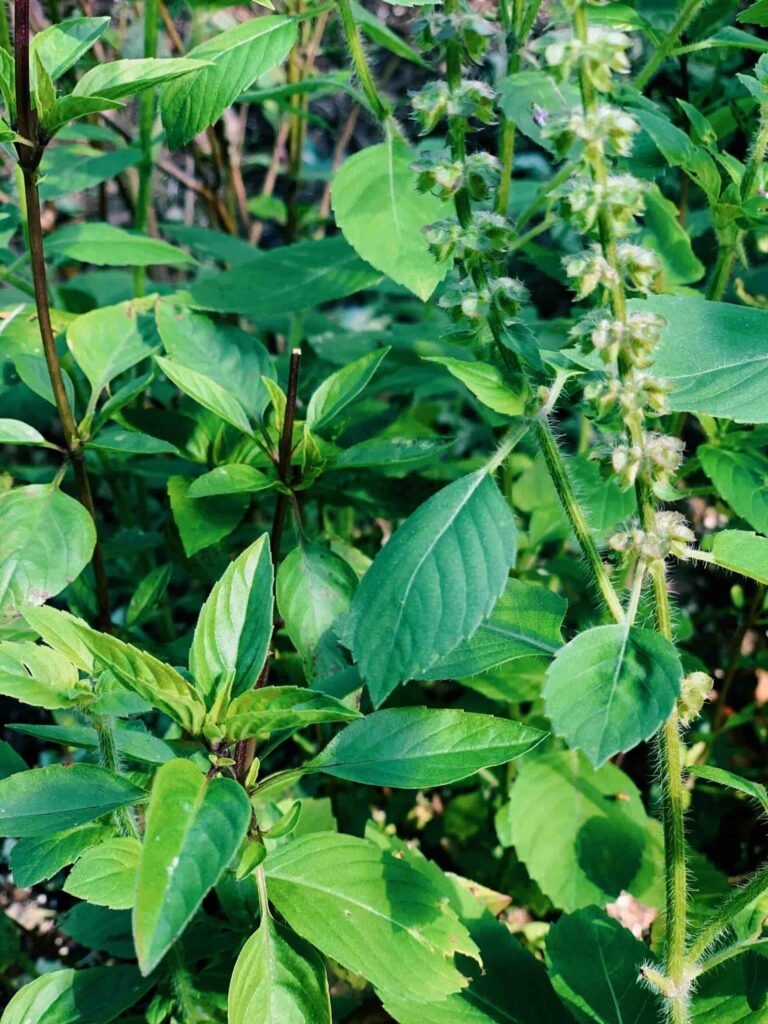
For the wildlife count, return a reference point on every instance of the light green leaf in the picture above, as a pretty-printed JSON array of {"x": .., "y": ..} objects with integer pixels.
[
  {"x": 399, "y": 454},
  {"x": 294, "y": 277},
  {"x": 133, "y": 744},
  {"x": 48, "y": 539},
  {"x": 582, "y": 833},
  {"x": 35, "y": 860},
  {"x": 755, "y": 14},
  {"x": 194, "y": 828},
  {"x": 208, "y": 392},
  {"x": 59, "y": 630},
  {"x": 754, "y": 790},
  {"x": 44, "y": 92},
  {"x": 156, "y": 682},
  {"x": 663, "y": 233},
  {"x": 61, "y": 46},
  {"x": 204, "y": 521},
  {"x": 106, "y": 874},
  {"x": 314, "y": 586},
  {"x": 383, "y": 217},
  {"x": 522, "y": 92},
  {"x": 44, "y": 800},
  {"x": 526, "y": 621},
  {"x": 278, "y": 979},
  {"x": 120, "y": 78},
  {"x": 414, "y": 748},
  {"x": 118, "y": 441},
  {"x": 233, "y": 358},
  {"x": 69, "y": 108},
  {"x": 108, "y": 341},
  {"x": 595, "y": 968},
  {"x": 380, "y": 33},
  {"x": 236, "y": 58},
  {"x": 432, "y": 584},
  {"x": 376, "y": 915},
  {"x": 38, "y": 676},
  {"x": 235, "y": 478},
  {"x": 486, "y": 383},
  {"x": 149, "y": 592},
  {"x": 742, "y": 552},
  {"x": 740, "y": 477},
  {"x": 234, "y": 627},
  {"x": 610, "y": 688},
  {"x": 272, "y": 708},
  {"x": 108, "y": 246},
  {"x": 94, "y": 996},
  {"x": 713, "y": 355},
  {"x": 341, "y": 388}
]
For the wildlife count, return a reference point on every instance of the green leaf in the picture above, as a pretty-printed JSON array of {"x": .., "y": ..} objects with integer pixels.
[
  {"x": 60, "y": 631},
  {"x": 526, "y": 621},
  {"x": 149, "y": 592},
  {"x": 106, "y": 874},
  {"x": 742, "y": 552},
  {"x": 44, "y": 92},
  {"x": 595, "y": 968},
  {"x": 69, "y": 108},
  {"x": 36, "y": 802},
  {"x": 133, "y": 744},
  {"x": 341, "y": 388},
  {"x": 520, "y": 94},
  {"x": 118, "y": 441},
  {"x": 383, "y": 217},
  {"x": 38, "y": 676},
  {"x": 663, "y": 233},
  {"x": 232, "y": 479},
  {"x": 234, "y": 627},
  {"x": 376, "y": 915},
  {"x": 415, "y": 748},
  {"x": 61, "y": 46},
  {"x": 680, "y": 151},
  {"x": 117, "y": 79},
  {"x": 380, "y": 33},
  {"x": 486, "y": 383},
  {"x": 108, "y": 246},
  {"x": 35, "y": 860},
  {"x": 582, "y": 833},
  {"x": 108, "y": 341},
  {"x": 294, "y": 277},
  {"x": 236, "y": 58},
  {"x": 202, "y": 522},
  {"x": 314, "y": 586},
  {"x": 48, "y": 539},
  {"x": 713, "y": 355},
  {"x": 610, "y": 688},
  {"x": 208, "y": 392},
  {"x": 754, "y": 790},
  {"x": 756, "y": 14},
  {"x": 235, "y": 359},
  {"x": 99, "y": 929},
  {"x": 740, "y": 478},
  {"x": 10, "y": 761},
  {"x": 272, "y": 708},
  {"x": 94, "y": 996},
  {"x": 432, "y": 584},
  {"x": 278, "y": 979},
  {"x": 156, "y": 682},
  {"x": 194, "y": 828},
  {"x": 399, "y": 454}
]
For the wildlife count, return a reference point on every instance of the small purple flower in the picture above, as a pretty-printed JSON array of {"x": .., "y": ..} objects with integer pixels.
[{"x": 540, "y": 115}]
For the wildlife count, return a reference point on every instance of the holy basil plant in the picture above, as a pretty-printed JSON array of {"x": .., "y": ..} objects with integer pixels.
[{"x": 384, "y": 512}]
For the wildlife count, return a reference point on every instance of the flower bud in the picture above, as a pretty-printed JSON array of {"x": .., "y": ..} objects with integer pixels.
[{"x": 694, "y": 692}]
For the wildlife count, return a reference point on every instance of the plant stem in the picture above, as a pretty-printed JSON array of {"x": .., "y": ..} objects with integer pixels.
[
  {"x": 577, "y": 518},
  {"x": 146, "y": 124},
  {"x": 5, "y": 32},
  {"x": 378, "y": 107},
  {"x": 723, "y": 918},
  {"x": 726, "y": 255},
  {"x": 29, "y": 157},
  {"x": 667, "y": 44},
  {"x": 110, "y": 759},
  {"x": 285, "y": 452}
]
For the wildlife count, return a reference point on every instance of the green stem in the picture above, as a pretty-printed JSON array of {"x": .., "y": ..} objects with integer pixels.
[
  {"x": 668, "y": 43},
  {"x": 5, "y": 32},
  {"x": 577, "y": 518},
  {"x": 146, "y": 124},
  {"x": 726, "y": 256},
  {"x": 723, "y": 955},
  {"x": 110, "y": 759},
  {"x": 508, "y": 443},
  {"x": 723, "y": 918},
  {"x": 379, "y": 108}
]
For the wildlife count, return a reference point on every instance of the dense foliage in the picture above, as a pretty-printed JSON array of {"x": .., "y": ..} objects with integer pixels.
[{"x": 384, "y": 512}]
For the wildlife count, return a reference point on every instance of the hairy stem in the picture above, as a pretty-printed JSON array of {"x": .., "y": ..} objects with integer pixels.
[
  {"x": 723, "y": 918},
  {"x": 688, "y": 12},
  {"x": 367, "y": 83},
  {"x": 29, "y": 160},
  {"x": 110, "y": 759}
]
